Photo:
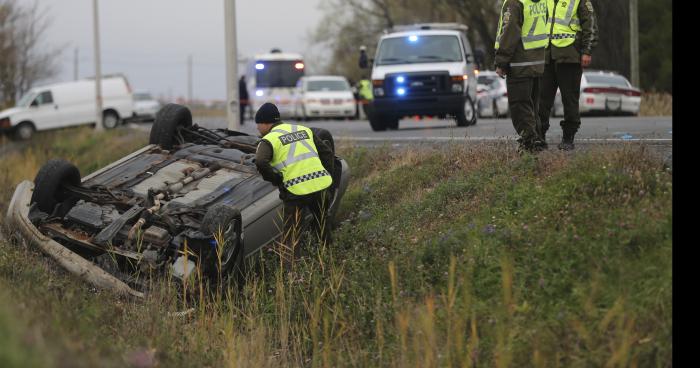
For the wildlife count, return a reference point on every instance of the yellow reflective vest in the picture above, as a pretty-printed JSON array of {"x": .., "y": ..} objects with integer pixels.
[
  {"x": 534, "y": 32},
  {"x": 365, "y": 90},
  {"x": 565, "y": 23},
  {"x": 295, "y": 156}
]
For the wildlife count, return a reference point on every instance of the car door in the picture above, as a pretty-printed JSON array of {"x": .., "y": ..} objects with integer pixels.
[{"x": 44, "y": 111}]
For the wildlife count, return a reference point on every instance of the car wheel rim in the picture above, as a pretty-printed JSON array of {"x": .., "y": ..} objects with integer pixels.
[
  {"x": 468, "y": 110},
  {"x": 109, "y": 121},
  {"x": 229, "y": 237},
  {"x": 25, "y": 132}
]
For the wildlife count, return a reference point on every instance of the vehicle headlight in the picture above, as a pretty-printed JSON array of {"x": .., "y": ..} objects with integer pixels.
[
  {"x": 379, "y": 91},
  {"x": 5, "y": 123},
  {"x": 457, "y": 87}
]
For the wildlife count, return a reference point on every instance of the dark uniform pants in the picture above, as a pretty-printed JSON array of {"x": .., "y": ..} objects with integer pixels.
[
  {"x": 523, "y": 102},
  {"x": 242, "y": 107},
  {"x": 567, "y": 77},
  {"x": 318, "y": 204}
]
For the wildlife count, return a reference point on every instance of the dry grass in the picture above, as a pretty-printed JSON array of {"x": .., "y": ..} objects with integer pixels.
[
  {"x": 656, "y": 104},
  {"x": 471, "y": 256}
]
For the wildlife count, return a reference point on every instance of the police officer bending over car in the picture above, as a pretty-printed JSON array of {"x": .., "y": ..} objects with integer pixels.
[{"x": 299, "y": 163}]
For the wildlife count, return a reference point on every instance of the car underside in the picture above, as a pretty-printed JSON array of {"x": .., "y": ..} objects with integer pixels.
[{"x": 193, "y": 197}]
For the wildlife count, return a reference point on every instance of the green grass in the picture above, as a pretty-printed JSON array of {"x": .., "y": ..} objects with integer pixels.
[{"x": 467, "y": 255}]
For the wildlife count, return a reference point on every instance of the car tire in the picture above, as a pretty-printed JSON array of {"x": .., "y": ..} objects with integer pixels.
[
  {"x": 467, "y": 116},
  {"x": 377, "y": 123},
  {"x": 223, "y": 217},
  {"x": 24, "y": 131},
  {"x": 49, "y": 184},
  {"x": 168, "y": 120},
  {"x": 325, "y": 136},
  {"x": 110, "y": 119},
  {"x": 392, "y": 122}
]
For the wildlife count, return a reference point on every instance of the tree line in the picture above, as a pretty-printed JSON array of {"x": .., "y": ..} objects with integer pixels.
[
  {"x": 362, "y": 22},
  {"x": 24, "y": 60}
]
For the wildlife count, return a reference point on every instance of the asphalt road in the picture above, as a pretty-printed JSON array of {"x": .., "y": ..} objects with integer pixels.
[{"x": 593, "y": 129}]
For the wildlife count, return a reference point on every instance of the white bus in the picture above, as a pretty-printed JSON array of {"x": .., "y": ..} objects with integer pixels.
[{"x": 272, "y": 77}]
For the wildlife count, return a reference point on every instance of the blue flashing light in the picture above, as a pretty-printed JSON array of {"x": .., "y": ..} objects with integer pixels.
[
  {"x": 259, "y": 66},
  {"x": 259, "y": 93},
  {"x": 401, "y": 91},
  {"x": 413, "y": 38},
  {"x": 400, "y": 79}
]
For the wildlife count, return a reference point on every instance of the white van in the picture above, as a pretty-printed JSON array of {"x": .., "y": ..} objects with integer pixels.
[
  {"x": 68, "y": 104},
  {"x": 423, "y": 69}
]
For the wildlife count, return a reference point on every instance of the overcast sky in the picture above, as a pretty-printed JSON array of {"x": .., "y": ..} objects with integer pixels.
[{"x": 149, "y": 40}]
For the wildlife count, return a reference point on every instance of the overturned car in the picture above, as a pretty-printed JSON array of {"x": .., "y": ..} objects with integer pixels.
[{"x": 191, "y": 198}]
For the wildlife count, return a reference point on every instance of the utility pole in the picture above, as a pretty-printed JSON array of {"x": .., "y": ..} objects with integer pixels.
[
  {"x": 232, "y": 114},
  {"x": 75, "y": 64},
  {"x": 634, "y": 42},
  {"x": 189, "y": 80},
  {"x": 98, "y": 72}
]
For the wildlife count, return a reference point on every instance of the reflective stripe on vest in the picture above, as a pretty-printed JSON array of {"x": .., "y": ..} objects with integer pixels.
[
  {"x": 535, "y": 22},
  {"x": 303, "y": 173},
  {"x": 528, "y": 63},
  {"x": 534, "y": 33},
  {"x": 566, "y": 24}
]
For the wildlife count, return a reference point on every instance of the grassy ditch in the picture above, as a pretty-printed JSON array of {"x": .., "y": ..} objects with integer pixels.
[{"x": 466, "y": 255}]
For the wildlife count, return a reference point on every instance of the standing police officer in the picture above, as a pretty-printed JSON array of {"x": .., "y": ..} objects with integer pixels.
[
  {"x": 299, "y": 163},
  {"x": 364, "y": 91},
  {"x": 573, "y": 34},
  {"x": 520, "y": 42}
]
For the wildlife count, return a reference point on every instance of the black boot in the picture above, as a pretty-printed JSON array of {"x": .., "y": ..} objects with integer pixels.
[{"x": 567, "y": 141}]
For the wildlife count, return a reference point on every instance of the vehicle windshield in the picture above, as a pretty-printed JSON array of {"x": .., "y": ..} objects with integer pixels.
[
  {"x": 613, "y": 80},
  {"x": 419, "y": 49},
  {"x": 278, "y": 73},
  {"x": 26, "y": 99},
  {"x": 327, "y": 85},
  {"x": 485, "y": 79},
  {"x": 142, "y": 96}
]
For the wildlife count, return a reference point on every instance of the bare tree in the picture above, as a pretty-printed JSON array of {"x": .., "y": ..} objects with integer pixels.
[{"x": 25, "y": 61}]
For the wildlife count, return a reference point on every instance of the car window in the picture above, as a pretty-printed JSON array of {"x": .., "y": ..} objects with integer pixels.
[
  {"x": 142, "y": 97},
  {"x": 44, "y": 98},
  {"x": 419, "y": 49},
  {"x": 328, "y": 85},
  {"x": 26, "y": 99},
  {"x": 614, "y": 80},
  {"x": 485, "y": 79}
]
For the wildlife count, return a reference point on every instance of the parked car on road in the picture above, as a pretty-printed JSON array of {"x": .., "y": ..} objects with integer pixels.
[
  {"x": 67, "y": 104},
  {"x": 326, "y": 96},
  {"x": 190, "y": 200},
  {"x": 604, "y": 93},
  {"x": 145, "y": 106},
  {"x": 493, "y": 101}
]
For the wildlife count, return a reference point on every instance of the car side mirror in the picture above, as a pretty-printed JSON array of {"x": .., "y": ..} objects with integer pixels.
[{"x": 34, "y": 104}]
